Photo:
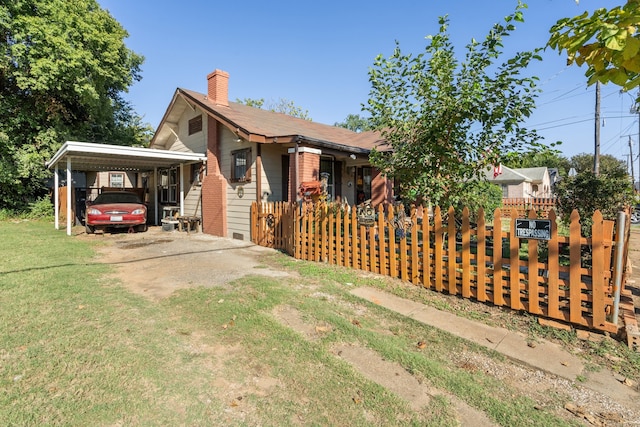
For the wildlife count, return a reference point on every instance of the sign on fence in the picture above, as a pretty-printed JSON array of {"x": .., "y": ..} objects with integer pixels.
[{"x": 539, "y": 229}]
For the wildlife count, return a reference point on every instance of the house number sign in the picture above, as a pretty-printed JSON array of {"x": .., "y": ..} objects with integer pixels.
[
  {"x": 539, "y": 229},
  {"x": 366, "y": 214}
]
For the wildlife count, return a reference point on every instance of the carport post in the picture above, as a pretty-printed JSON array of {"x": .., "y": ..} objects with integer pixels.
[
  {"x": 181, "y": 189},
  {"x": 56, "y": 197},
  {"x": 155, "y": 195},
  {"x": 69, "y": 213}
]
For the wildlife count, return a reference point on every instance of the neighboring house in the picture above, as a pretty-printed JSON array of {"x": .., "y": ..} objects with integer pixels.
[
  {"x": 256, "y": 155},
  {"x": 521, "y": 183}
]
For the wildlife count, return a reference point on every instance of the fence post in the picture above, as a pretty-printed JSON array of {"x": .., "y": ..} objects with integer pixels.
[{"x": 617, "y": 283}]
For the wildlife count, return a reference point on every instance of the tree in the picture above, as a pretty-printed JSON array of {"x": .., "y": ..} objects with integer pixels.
[
  {"x": 539, "y": 157},
  {"x": 608, "y": 192},
  {"x": 355, "y": 123},
  {"x": 608, "y": 42},
  {"x": 63, "y": 70},
  {"x": 446, "y": 121},
  {"x": 283, "y": 106},
  {"x": 609, "y": 165},
  {"x": 587, "y": 193}
]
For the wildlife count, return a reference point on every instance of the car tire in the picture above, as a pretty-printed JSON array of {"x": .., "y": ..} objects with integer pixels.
[
  {"x": 89, "y": 229},
  {"x": 141, "y": 228},
  {"x": 635, "y": 217}
]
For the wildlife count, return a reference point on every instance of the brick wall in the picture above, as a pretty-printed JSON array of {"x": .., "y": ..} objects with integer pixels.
[
  {"x": 381, "y": 188},
  {"x": 308, "y": 169},
  {"x": 214, "y": 196}
]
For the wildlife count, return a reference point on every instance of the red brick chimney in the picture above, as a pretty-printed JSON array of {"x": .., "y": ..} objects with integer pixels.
[{"x": 218, "y": 87}]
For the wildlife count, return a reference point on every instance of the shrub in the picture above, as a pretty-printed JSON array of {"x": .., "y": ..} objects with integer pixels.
[
  {"x": 40, "y": 209},
  {"x": 587, "y": 193}
]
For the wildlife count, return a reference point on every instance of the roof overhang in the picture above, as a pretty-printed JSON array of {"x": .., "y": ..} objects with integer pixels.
[{"x": 88, "y": 156}]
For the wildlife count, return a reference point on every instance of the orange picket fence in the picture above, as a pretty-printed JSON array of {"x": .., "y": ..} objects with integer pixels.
[
  {"x": 567, "y": 278},
  {"x": 541, "y": 205}
]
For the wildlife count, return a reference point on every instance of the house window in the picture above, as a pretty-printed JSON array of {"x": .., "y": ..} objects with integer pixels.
[
  {"x": 505, "y": 191},
  {"x": 168, "y": 185},
  {"x": 116, "y": 180},
  {"x": 534, "y": 189},
  {"x": 241, "y": 165},
  {"x": 195, "y": 125}
]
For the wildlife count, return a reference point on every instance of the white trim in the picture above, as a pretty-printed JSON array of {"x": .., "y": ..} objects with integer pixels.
[
  {"x": 70, "y": 147},
  {"x": 305, "y": 150}
]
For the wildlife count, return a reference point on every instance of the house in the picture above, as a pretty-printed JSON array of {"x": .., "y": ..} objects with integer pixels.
[
  {"x": 256, "y": 155},
  {"x": 521, "y": 183}
]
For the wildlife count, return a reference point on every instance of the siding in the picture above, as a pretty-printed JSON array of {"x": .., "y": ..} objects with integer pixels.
[
  {"x": 272, "y": 172},
  {"x": 238, "y": 208}
]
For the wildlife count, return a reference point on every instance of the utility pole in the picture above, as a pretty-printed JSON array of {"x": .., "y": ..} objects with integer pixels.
[{"x": 596, "y": 155}]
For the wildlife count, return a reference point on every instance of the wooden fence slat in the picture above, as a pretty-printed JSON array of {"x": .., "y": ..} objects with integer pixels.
[
  {"x": 533, "y": 290},
  {"x": 393, "y": 258},
  {"x": 451, "y": 252},
  {"x": 466, "y": 254},
  {"x": 597, "y": 266},
  {"x": 426, "y": 251},
  {"x": 415, "y": 275},
  {"x": 382, "y": 242},
  {"x": 553, "y": 290},
  {"x": 514, "y": 265},
  {"x": 498, "y": 291},
  {"x": 481, "y": 258},
  {"x": 575, "y": 259}
]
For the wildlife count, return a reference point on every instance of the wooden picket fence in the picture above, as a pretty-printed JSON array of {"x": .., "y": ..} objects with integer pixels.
[
  {"x": 567, "y": 278},
  {"x": 541, "y": 205}
]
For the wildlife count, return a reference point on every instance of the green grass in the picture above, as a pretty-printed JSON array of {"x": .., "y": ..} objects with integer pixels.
[{"x": 77, "y": 348}]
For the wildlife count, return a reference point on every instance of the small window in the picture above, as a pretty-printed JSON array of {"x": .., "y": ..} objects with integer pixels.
[
  {"x": 195, "y": 125},
  {"x": 116, "y": 180},
  {"x": 241, "y": 165}
]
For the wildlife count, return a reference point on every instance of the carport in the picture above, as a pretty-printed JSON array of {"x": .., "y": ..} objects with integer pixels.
[{"x": 92, "y": 157}]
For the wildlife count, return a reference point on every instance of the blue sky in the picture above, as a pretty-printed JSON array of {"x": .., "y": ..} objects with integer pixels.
[{"x": 317, "y": 55}]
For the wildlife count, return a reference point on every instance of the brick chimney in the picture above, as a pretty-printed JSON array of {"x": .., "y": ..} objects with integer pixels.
[{"x": 218, "y": 87}]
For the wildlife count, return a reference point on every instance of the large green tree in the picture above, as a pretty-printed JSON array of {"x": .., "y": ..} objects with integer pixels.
[
  {"x": 355, "y": 123},
  {"x": 607, "y": 42},
  {"x": 538, "y": 157},
  {"x": 282, "y": 105},
  {"x": 63, "y": 71},
  {"x": 446, "y": 120},
  {"x": 609, "y": 165}
]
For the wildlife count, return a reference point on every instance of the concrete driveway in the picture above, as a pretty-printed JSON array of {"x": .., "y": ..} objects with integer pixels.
[{"x": 156, "y": 263}]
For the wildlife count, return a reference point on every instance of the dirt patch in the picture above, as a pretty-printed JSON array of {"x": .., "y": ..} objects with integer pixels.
[{"x": 156, "y": 263}]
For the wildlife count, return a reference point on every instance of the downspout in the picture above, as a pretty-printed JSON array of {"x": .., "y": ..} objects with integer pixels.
[
  {"x": 295, "y": 172},
  {"x": 258, "y": 172}
]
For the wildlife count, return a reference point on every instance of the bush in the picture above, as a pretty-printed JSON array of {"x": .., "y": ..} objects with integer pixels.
[
  {"x": 608, "y": 193},
  {"x": 40, "y": 209},
  {"x": 478, "y": 194}
]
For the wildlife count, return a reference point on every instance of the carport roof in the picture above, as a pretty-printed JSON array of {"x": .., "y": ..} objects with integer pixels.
[{"x": 88, "y": 156}]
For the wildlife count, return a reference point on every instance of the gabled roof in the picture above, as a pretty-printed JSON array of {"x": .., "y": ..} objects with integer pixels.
[
  {"x": 263, "y": 126},
  {"x": 516, "y": 175}
]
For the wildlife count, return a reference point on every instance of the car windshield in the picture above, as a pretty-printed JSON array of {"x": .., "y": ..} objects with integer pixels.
[{"x": 105, "y": 198}]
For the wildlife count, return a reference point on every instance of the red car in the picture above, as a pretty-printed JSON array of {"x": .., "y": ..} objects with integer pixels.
[{"x": 116, "y": 209}]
